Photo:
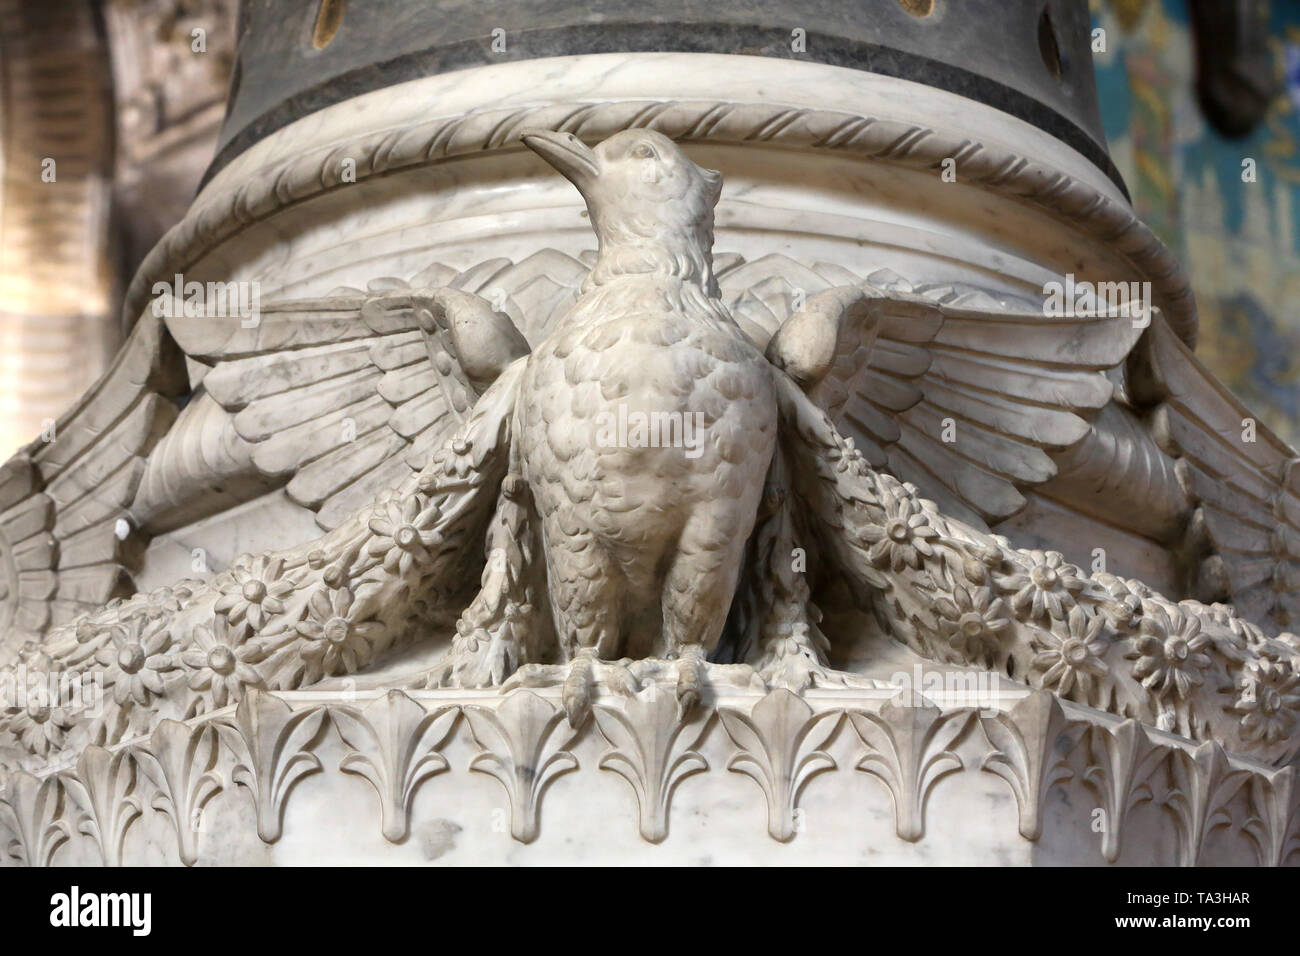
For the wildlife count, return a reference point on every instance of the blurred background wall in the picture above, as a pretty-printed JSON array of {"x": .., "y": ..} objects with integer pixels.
[
  {"x": 1237, "y": 239},
  {"x": 109, "y": 112}
]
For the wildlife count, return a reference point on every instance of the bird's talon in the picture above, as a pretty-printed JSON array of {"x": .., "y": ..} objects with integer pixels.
[
  {"x": 578, "y": 690},
  {"x": 527, "y": 675},
  {"x": 690, "y": 678},
  {"x": 618, "y": 678}
]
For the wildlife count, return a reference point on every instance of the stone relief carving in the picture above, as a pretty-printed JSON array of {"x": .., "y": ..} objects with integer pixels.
[
  {"x": 104, "y": 788},
  {"x": 776, "y": 739},
  {"x": 36, "y": 821},
  {"x": 610, "y": 566},
  {"x": 523, "y": 744},
  {"x": 180, "y": 761},
  {"x": 293, "y": 179},
  {"x": 778, "y": 747},
  {"x": 1032, "y": 764},
  {"x": 270, "y": 741},
  {"x": 394, "y": 745},
  {"x": 907, "y": 750},
  {"x": 652, "y": 751}
]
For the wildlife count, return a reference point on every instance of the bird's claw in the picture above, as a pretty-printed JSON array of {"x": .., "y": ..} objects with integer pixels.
[
  {"x": 578, "y": 679},
  {"x": 578, "y": 690},
  {"x": 692, "y": 675},
  {"x": 690, "y": 678}
]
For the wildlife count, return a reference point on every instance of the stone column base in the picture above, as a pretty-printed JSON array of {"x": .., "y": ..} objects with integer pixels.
[{"x": 838, "y": 776}]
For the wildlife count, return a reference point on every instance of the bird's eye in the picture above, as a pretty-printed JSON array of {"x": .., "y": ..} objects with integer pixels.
[{"x": 643, "y": 151}]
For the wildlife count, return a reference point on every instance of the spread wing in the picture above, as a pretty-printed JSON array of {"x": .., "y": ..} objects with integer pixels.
[
  {"x": 962, "y": 394},
  {"x": 1242, "y": 479},
  {"x": 330, "y": 399},
  {"x": 66, "y": 541},
  {"x": 335, "y": 399}
]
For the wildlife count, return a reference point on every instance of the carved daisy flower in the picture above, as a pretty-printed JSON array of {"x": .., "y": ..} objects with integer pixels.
[
  {"x": 1075, "y": 658},
  {"x": 255, "y": 593},
  {"x": 337, "y": 643},
  {"x": 453, "y": 459},
  {"x": 1124, "y": 606},
  {"x": 1230, "y": 638},
  {"x": 1267, "y": 701},
  {"x": 51, "y": 702},
  {"x": 1245, "y": 635},
  {"x": 847, "y": 458},
  {"x": 972, "y": 622},
  {"x": 903, "y": 537},
  {"x": 134, "y": 660},
  {"x": 41, "y": 727},
  {"x": 401, "y": 533},
  {"x": 1169, "y": 651},
  {"x": 1047, "y": 587},
  {"x": 158, "y": 603},
  {"x": 220, "y": 666}
]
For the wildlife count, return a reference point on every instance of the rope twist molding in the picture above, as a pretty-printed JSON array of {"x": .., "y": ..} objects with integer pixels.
[{"x": 223, "y": 213}]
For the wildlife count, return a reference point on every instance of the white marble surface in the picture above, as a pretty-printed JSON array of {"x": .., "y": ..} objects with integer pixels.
[
  {"x": 812, "y": 205},
  {"x": 716, "y": 817},
  {"x": 826, "y": 213},
  {"x": 670, "y": 76},
  {"x": 818, "y": 208}
]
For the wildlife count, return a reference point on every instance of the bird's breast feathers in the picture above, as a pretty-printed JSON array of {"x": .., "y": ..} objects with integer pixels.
[{"x": 650, "y": 385}]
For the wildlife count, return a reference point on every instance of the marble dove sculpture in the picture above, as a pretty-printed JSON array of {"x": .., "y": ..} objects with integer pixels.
[{"x": 656, "y": 495}]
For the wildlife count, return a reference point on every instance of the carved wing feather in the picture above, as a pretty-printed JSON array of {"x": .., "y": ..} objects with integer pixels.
[
  {"x": 1241, "y": 478},
  {"x": 965, "y": 395},
  {"x": 66, "y": 541},
  {"x": 336, "y": 398},
  {"x": 331, "y": 399}
]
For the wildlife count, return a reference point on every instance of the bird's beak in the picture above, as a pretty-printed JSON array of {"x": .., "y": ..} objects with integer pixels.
[{"x": 571, "y": 157}]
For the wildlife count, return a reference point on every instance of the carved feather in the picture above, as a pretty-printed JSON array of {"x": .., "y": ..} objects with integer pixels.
[
  {"x": 334, "y": 398},
  {"x": 67, "y": 540},
  {"x": 965, "y": 396},
  {"x": 1240, "y": 479}
]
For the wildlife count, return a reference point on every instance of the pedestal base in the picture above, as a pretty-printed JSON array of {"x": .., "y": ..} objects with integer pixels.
[{"x": 836, "y": 776}]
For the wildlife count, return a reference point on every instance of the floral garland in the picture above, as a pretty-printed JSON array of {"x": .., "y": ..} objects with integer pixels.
[
  {"x": 946, "y": 590},
  {"x": 957, "y": 595},
  {"x": 274, "y": 621}
]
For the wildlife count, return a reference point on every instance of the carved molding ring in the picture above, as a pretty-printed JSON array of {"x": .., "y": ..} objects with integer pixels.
[{"x": 313, "y": 172}]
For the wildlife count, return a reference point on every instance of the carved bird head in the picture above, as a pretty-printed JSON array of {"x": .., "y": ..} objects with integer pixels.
[{"x": 651, "y": 207}]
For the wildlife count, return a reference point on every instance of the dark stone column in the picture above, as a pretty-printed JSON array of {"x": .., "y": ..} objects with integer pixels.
[{"x": 1029, "y": 58}]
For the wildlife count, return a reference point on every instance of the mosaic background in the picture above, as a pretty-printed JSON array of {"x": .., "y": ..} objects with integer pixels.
[{"x": 1237, "y": 239}]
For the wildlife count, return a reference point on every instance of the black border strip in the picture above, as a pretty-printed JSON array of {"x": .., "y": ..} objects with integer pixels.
[{"x": 668, "y": 38}]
